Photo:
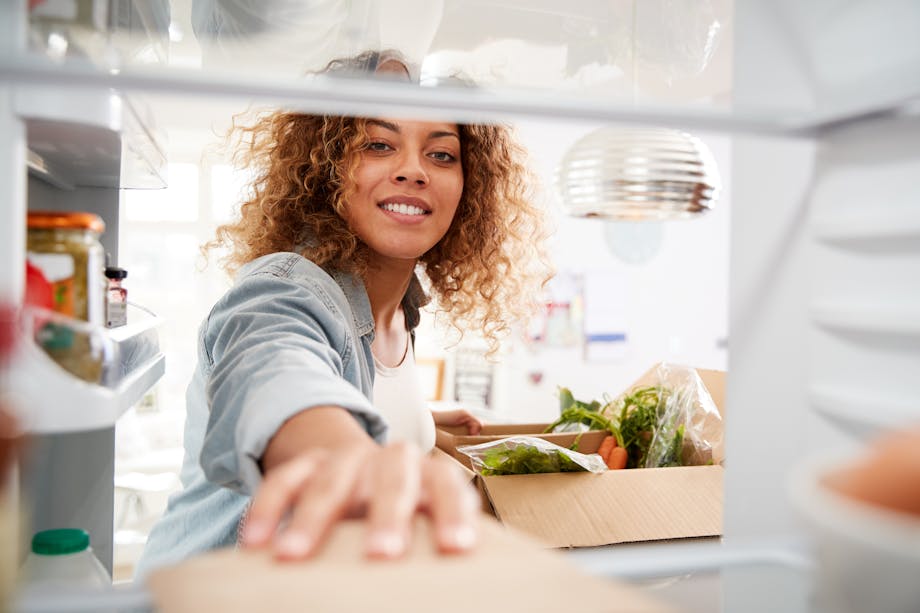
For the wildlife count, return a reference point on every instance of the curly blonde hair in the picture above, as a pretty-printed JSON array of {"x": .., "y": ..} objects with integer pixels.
[{"x": 485, "y": 273}]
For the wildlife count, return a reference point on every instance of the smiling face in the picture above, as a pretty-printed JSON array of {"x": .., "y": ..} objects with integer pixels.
[{"x": 408, "y": 186}]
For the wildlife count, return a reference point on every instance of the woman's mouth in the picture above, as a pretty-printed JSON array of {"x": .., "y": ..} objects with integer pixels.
[{"x": 403, "y": 208}]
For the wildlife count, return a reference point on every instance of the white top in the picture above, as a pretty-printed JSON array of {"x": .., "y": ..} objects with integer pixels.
[{"x": 398, "y": 397}]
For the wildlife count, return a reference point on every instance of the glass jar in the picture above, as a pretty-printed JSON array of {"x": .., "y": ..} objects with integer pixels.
[
  {"x": 66, "y": 264},
  {"x": 65, "y": 247}
]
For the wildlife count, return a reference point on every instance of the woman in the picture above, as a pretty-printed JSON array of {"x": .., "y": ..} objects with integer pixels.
[{"x": 287, "y": 424}]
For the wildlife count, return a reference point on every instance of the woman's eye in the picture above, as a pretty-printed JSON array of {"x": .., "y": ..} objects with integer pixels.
[
  {"x": 378, "y": 146},
  {"x": 442, "y": 156}
]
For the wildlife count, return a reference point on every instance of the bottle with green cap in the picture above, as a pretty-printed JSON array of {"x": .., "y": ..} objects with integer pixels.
[{"x": 63, "y": 557}]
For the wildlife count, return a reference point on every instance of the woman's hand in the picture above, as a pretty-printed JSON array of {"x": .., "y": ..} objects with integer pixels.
[
  {"x": 458, "y": 417},
  {"x": 387, "y": 485}
]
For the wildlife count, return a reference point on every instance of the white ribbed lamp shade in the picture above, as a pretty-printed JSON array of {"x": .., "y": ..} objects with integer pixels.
[{"x": 638, "y": 173}]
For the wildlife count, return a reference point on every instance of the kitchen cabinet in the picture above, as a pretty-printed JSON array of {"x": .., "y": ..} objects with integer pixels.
[{"x": 824, "y": 114}]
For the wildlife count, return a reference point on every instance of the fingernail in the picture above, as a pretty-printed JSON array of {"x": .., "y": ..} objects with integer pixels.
[
  {"x": 459, "y": 537},
  {"x": 386, "y": 544},
  {"x": 293, "y": 544},
  {"x": 255, "y": 532}
]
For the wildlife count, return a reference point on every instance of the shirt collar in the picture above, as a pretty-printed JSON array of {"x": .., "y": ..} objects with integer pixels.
[{"x": 356, "y": 294}]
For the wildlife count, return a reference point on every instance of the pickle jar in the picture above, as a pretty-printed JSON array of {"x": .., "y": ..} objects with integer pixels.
[
  {"x": 65, "y": 264},
  {"x": 65, "y": 248}
]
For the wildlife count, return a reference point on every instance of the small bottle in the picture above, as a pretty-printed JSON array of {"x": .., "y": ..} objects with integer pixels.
[
  {"x": 116, "y": 297},
  {"x": 63, "y": 558}
]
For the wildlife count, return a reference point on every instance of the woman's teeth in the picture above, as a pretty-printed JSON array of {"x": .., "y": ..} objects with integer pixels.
[{"x": 403, "y": 209}]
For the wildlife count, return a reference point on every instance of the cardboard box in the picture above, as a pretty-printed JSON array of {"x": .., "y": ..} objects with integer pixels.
[
  {"x": 619, "y": 506},
  {"x": 505, "y": 572}
]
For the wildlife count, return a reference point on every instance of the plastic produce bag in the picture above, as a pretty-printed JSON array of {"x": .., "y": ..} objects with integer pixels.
[
  {"x": 681, "y": 423},
  {"x": 524, "y": 455}
]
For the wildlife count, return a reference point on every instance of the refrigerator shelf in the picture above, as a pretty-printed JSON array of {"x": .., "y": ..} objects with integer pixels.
[
  {"x": 51, "y": 400},
  {"x": 877, "y": 319},
  {"x": 90, "y": 138},
  {"x": 892, "y": 226},
  {"x": 356, "y": 96},
  {"x": 856, "y": 413}
]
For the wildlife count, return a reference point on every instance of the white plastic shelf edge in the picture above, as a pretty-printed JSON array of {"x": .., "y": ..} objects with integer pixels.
[
  {"x": 49, "y": 400},
  {"x": 859, "y": 414},
  {"x": 893, "y": 225},
  {"x": 881, "y": 319}
]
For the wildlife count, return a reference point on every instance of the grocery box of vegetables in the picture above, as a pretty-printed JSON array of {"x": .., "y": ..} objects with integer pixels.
[{"x": 644, "y": 465}]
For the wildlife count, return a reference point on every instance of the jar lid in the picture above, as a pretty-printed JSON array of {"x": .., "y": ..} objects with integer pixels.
[
  {"x": 114, "y": 272},
  {"x": 73, "y": 220},
  {"x": 60, "y": 542}
]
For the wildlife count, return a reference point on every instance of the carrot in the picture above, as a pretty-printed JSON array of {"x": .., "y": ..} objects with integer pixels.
[
  {"x": 607, "y": 444},
  {"x": 617, "y": 458}
]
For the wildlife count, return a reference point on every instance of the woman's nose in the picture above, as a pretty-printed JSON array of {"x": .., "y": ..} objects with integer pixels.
[{"x": 409, "y": 170}]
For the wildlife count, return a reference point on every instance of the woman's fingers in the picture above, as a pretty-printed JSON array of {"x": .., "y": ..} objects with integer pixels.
[
  {"x": 389, "y": 484},
  {"x": 453, "y": 505},
  {"x": 458, "y": 417},
  {"x": 396, "y": 488},
  {"x": 278, "y": 490},
  {"x": 322, "y": 500},
  {"x": 473, "y": 424}
]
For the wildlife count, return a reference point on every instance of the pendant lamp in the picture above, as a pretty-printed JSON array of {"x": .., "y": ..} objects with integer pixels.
[{"x": 634, "y": 174}]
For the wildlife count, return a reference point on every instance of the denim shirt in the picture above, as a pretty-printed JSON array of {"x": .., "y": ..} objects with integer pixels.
[{"x": 286, "y": 337}]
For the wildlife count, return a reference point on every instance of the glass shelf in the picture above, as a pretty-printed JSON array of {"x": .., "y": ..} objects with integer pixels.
[
  {"x": 647, "y": 62},
  {"x": 709, "y": 575},
  {"x": 91, "y": 138}
]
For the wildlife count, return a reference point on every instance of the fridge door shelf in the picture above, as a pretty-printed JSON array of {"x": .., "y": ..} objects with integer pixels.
[
  {"x": 901, "y": 321},
  {"x": 856, "y": 414},
  {"x": 890, "y": 229},
  {"x": 49, "y": 399}
]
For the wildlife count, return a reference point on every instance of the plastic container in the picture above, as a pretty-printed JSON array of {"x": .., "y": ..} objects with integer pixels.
[
  {"x": 867, "y": 556},
  {"x": 63, "y": 559}
]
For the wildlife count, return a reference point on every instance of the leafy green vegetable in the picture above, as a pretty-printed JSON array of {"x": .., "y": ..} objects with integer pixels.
[
  {"x": 574, "y": 411},
  {"x": 524, "y": 460},
  {"x": 639, "y": 414},
  {"x": 672, "y": 454},
  {"x": 634, "y": 419}
]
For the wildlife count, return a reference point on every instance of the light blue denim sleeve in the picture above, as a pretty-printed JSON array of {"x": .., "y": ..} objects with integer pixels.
[{"x": 276, "y": 346}]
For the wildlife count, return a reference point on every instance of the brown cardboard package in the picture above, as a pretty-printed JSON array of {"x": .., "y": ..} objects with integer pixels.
[
  {"x": 620, "y": 506},
  {"x": 506, "y": 572}
]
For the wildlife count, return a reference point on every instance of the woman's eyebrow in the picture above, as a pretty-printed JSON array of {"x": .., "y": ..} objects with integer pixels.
[
  {"x": 386, "y": 125},
  {"x": 442, "y": 134}
]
